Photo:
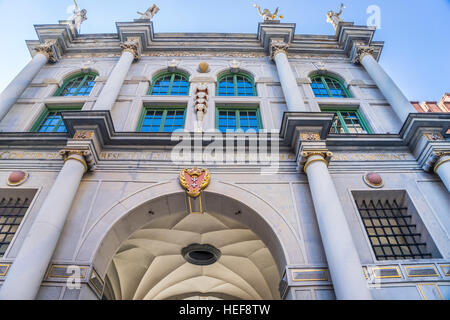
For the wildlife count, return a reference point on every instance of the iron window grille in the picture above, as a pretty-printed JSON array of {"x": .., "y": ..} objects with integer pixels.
[
  {"x": 391, "y": 230},
  {"x": 232, "y": 119},
  {"x": 164, "y": 119},
  {"x": 77, "y": 85},
  {"x": 51, "y": 120},
  {"x": 12, "y": 212},
  {"x": 236, "y": 84},
  {"x": 327, "y": 86},
  {"x": 170, "y": 84}
]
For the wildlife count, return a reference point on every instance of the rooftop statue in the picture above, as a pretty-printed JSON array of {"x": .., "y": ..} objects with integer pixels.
[
  {"x": 334, "y": 18},
  {"x": 267, "y": 14},
  {"x": 78, "y": 16},
  {"x": 150, "y": 13}
]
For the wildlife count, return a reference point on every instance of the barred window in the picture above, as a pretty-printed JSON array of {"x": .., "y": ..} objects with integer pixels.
[
  {"x": 394, "y": 231},
  {"x": 12, "y": 211}
]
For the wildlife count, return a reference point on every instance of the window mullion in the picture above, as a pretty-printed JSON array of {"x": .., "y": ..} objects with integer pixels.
[
  {"x": 238, "y": 119},
  {"x": 81, "y": 85},
  {"x": 172, "y": 78},
  {"x": 235, "y": 84},
  {"x": 163, "y": 120},
  {"x": 324, "y": 81},
  {"x": 342, "y": 120}
]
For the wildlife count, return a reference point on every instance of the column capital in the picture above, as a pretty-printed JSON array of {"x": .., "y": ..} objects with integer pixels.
[
  {"x": 133, "y": 46},
  {"x": 77, "y": 155},
  {"x": 362, "y": 51},
  {"x": 324, "y": 155},
  {"x": 48, "y": 49},
  {"x": 278, "y": 46},
  {"x": 435, "y": 159}
]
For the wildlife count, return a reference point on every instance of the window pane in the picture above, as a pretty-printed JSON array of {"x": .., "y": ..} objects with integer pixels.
[
  {"x": 79, "y": 86},
  {"x": 227, "y": 121},
  {"x": 53, "y": 123},
  {"x": 239, "y": 85}
]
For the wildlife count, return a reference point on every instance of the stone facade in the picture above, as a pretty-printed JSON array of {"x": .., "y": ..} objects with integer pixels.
[{"x": 104, "y": 186}]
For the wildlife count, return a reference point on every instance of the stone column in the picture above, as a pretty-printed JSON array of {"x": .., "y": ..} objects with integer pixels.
[
  {"x": 387, "y": 86},
  {"x": 110, "y": 91},
  {"x": 20, "y": 83},
  {"x": 28, "y": 270},
  {"x": 442, "y": 168},
  {"x": 343, "y": 260},
  {"x": 294, "y": 98}
]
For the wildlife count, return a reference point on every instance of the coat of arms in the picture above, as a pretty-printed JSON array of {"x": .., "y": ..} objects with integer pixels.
[{"x": 194, "y": 180}]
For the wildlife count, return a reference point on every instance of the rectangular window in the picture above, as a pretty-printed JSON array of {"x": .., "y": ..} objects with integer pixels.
[
  {"x": 393, "y": 228},
  {"x": 232, "y": 119},
  {"x": 51, "y": 120},
  {"x": 13, "y": 206},
  {"x": 167, "y": 119},
  {"x": 348, "y": 121}
]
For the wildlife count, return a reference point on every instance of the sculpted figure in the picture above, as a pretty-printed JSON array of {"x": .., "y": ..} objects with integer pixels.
[
  {"x": 334, "y": 18},
  {"x": 150, "y": 13},
  {"x": 266, "y": 14},
  {"x": 78, "y": 16}
]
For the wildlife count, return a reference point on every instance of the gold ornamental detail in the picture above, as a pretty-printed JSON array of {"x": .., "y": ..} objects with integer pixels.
[
  {"x": 195, "y": 180},
  {"x": 278, "y": 47}
]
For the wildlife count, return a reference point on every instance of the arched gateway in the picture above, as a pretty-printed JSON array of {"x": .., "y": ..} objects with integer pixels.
[{"x": 156, "y": 249}]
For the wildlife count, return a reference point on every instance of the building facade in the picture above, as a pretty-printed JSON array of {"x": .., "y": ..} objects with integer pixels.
[{"x": 332, "y": 186}]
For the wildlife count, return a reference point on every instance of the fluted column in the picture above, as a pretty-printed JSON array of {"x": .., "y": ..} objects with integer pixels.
[
  {"x": 387, "y": 86},
  {"x": 442, "y": 168},
  {"x": 343, "y": 261},
  {"x": 28, "y": 270},
  {"x": 20, "y": 83},
  {"x": 294, "y": 99},
  {"x": 110, "y": 91}
]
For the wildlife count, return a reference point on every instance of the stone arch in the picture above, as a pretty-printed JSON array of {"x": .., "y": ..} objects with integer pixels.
[{"x": 116, "y": 225}]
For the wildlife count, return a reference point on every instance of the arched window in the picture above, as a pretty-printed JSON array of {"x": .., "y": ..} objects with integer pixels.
[
  {"x": 170, "y": 84},
  {"x": 236, "y": 84},
  {"x": 77, "y": 85},
  {"x": 328, "y": 86}
]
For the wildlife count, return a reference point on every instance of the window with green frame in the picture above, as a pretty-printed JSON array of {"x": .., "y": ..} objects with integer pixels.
[
  {"x": 235, "y": 118},
  {"x": 235, "y": 84},
  {"x": 328, "y": 86},
  {"x": 170, "y": 84},
  {"x": 77, "y": 85},
  {"x": 51, "y": 120},
  {"x": 162, "y": 119},
  {"x": 348, "y": 121}
]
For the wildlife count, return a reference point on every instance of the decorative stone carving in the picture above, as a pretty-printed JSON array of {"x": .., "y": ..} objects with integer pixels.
[
  {"x": 150, "y": 13},
  {"x": 234, "y": 65},
  {"x": 310, "y": 136},
  {"x": 267, "y": 15},
  {"x": 194, "y": 180},
  {"x": 201, "y": 104},
  {"x": 319, "y": 65},
  {"x": 361, "y": 52},
  {"x": 83, "y": 135},
  {"x": 48, "y": 49},
  {"x": 373, "y": 180},
  {"x": 78, "y": 17},
  {"x": 172, "y": 65},
  {"x": 17, "y": 178},
  {"x": 277, "y": 47},
  {"x": 433, "y": 136},
  {"x": 203, "y": 67},
  {"x": 131, "y": 46},
  {"x": 335, "y": 18}
]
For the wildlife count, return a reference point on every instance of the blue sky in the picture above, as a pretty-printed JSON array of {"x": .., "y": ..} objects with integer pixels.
[{"x": 416, "y": 33}]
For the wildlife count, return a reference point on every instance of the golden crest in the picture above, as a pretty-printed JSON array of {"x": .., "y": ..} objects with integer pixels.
[{"x": 194, "y": 180}]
